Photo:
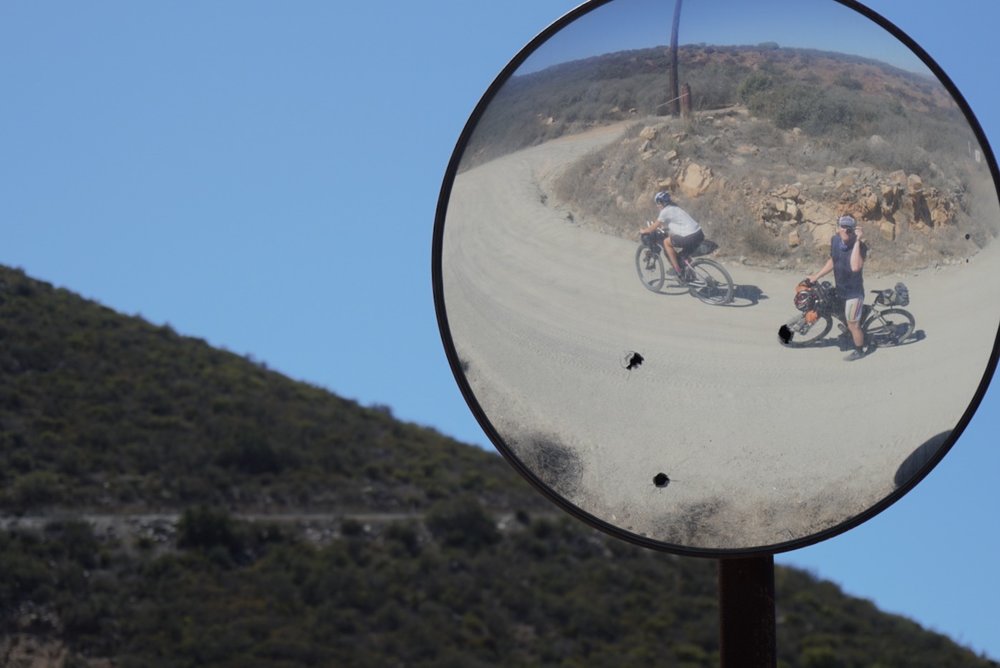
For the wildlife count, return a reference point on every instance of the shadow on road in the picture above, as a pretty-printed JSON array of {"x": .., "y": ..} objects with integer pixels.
[
  {"x": 843, "y": 342},
  {"x": 743, "y": 295},
  {"x": 746, "y": 295},
  {"x": 916, "y": 336},
  {"x": 919, "y": 458}
]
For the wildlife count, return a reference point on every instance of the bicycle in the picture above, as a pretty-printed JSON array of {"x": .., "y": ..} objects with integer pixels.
[
  {"x": 884, "y": 323},
  {"x": 704, "y": 278}
]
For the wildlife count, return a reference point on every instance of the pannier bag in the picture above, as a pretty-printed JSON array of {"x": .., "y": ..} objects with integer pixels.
[
  {"x": 807, "y": 301},
  {"x": 805, "y": 296},
  {"x": 899, "y": 295},
  {"x": 653, "y": 239}
]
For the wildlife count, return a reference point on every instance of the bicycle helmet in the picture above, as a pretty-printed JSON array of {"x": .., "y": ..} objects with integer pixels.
[
  {"x": 662, "y": 198},
  {"x": 847, "y": 222},
  {"x": 805, "y": 300}
]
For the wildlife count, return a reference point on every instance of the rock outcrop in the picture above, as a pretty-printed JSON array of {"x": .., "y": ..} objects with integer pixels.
[{"x": 885, "y": 204}]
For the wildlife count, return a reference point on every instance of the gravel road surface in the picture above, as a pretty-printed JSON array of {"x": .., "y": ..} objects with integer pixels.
[{"x": 761, "y": 444}]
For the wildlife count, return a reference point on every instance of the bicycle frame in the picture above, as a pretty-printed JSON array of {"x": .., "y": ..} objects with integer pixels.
[
  {"x": 704, "y": 278},
  {"x": 834, "y": 304},
  {"x": 883, "y": 323}
]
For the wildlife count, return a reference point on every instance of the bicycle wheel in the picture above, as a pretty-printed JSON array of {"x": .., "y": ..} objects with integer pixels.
[
  {"x": 889, "y": 327},
  {"x": 797, "y": 333},
  {"x": 649, "y": 265},
  {"x": 711, "y": 282}
]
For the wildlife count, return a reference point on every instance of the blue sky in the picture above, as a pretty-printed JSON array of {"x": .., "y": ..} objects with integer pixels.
[{"x": 265, "y": 175}]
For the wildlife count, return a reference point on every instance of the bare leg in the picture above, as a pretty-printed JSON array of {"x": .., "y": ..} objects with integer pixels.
[
  {"x": 854, "y": 327},
  {"x": 672, "y": 255}
]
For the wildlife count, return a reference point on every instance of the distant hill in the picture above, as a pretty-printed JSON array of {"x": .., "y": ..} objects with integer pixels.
[
  {"x": 568, "y": 98},
  {"x": 281, "y": 525},
  {"x": 573, "y": 96}
]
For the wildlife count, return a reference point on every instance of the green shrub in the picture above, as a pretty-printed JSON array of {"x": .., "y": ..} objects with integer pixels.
[
  {"x": 845, "y": 80},
  {"x": 35, "y": 490},
  {"x": 251, "y": 454},
  {"x": 462, "y": 522},
  {"x": 756, "y": 84},
  {"x": 819, "y": 657},
  {"x": 204, "y": 528}
]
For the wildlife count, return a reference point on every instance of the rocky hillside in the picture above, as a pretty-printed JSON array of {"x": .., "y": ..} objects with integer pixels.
[
  {"x": 772, "y": 196},
  {"x": 778, "y": 144},
  {"x": 164, "y": 503}
]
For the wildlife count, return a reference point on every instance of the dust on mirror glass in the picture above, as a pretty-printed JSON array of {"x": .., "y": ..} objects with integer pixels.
[{"x": 733, "y": 306}]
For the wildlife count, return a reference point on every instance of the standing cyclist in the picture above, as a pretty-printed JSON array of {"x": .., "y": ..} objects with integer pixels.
[
  {"x": 847, "y": 261},
  {"x": 683, "y": 233}
]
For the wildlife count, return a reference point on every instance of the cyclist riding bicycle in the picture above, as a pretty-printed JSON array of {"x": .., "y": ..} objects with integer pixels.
[
  {"x": 683, "y": 233},
  {"x": 847, "y": 261}
]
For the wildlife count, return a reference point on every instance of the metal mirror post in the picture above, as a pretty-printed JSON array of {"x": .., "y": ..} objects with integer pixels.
[{"x": 747, "y": 637}]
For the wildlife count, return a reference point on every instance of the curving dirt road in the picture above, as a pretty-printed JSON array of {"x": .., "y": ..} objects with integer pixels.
[{"x": 760, "y": 444}]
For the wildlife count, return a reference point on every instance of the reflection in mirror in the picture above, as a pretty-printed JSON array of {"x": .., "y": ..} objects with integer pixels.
[{"x": 739, "y": 421}]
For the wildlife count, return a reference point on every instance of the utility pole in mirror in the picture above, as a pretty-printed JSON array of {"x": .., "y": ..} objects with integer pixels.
[{"x": 673, "y": 106}]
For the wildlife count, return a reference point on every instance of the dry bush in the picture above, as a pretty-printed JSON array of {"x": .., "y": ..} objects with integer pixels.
[{"x": 762, "y": 134}]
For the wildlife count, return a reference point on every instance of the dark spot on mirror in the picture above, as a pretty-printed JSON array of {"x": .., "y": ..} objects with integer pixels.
[{"x": 633, "y": 360}]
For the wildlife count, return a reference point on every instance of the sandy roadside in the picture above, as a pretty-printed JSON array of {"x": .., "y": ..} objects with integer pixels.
[{"x": 762, "y": 444}]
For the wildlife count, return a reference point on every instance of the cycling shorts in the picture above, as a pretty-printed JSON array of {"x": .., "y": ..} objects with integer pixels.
[
  {"x": 852, "y": 309},
  {"x": 689, "y": 242}
]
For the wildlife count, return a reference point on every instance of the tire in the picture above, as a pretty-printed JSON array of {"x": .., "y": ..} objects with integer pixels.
[
  {"x": 797, "y": 334},
  {"x": 889, "y": 327},
  {"x": 711, "y": 284},
  {"x": 649, "y": 265}
]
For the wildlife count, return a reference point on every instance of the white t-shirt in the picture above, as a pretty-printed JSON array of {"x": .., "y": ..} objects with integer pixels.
[{"x": 677, "y": 221}]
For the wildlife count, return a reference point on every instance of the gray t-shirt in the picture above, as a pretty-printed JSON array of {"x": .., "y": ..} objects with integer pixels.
[{"x": 677, "y": 221}]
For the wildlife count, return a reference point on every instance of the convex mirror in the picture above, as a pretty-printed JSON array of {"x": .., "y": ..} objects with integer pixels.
[{"x": 714, "y": 412}]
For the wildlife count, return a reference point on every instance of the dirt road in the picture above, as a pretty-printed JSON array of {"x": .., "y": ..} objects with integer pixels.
[{"x": 761, "y": 444}]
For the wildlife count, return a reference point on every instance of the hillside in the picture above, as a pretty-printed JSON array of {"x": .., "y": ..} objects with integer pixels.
[
  {"x": 779, "y": 142},
  {"x": 568, "y": 98},
  {"x": 103, "y": 411},
  {"x": 434, "y": 553}
]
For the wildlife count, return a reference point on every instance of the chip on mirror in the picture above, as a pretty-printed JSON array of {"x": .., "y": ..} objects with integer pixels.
[{"x": 717, "y": 277}]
